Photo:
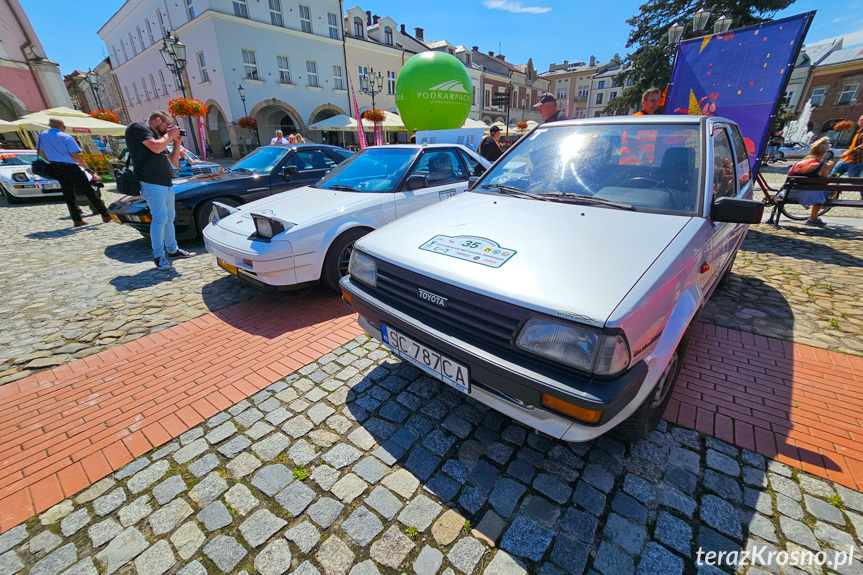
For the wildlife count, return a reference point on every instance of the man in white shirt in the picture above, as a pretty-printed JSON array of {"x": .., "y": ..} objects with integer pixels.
[{"x": 279, "y": 139}]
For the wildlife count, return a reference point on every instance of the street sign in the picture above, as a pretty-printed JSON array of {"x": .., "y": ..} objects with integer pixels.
[{"x": 500, "y": 99}]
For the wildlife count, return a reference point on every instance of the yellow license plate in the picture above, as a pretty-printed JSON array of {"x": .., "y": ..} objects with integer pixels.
[
  {"x": 116, "y": 218},
  {"x": 227, "y": 266}
]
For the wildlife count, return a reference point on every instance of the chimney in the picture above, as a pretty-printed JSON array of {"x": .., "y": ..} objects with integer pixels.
[
  {"x": 368, "y": 17},
  {"x": 418, "y": 32},
  {"x": 403, "y": 30},
  {"x": 593, "y": 60},
  {"x": 475, "y": 49},
  {"x": 565, "y": 63},
  {"x": 491, "y": 53},
  {"x": 501, "y": 56},
  {"x": 376, "y": 18}
]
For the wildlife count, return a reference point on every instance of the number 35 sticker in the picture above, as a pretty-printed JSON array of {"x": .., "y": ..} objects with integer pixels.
[{"x": 471, "y": 249}]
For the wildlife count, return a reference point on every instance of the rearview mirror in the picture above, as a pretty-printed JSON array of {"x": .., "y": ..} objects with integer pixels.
[
  {"x": 289, "y": 171},
  {"x": 737, "y": 211},
  {"x": 417, "y": 182}
]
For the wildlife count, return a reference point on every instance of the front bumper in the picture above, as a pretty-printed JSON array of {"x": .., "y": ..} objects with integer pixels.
[
  {"x": 32, "y": 189},
  {"x": 137, "y": 215},
  {"x": 512, "y": 385},
  {"x": 271, "y": 274}
]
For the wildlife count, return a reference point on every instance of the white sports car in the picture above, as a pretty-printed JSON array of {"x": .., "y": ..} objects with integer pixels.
[
  {"x": 18, "y": 182},
  {"x": 306, "y": 235}
]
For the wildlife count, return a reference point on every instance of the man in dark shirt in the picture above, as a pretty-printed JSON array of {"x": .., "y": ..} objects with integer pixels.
[
  {"x": 148, "y": 146},
  {"x": 489, "y": 148},
  {"x": 547, "y": 108}
]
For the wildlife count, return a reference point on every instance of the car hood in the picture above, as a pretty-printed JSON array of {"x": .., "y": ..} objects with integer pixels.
[
  {"x": 7, "y": 171},
  {"x": 188, "y": 183},
  {"x": 300, "y": 207},
  {"x": 570, "y": 260}
]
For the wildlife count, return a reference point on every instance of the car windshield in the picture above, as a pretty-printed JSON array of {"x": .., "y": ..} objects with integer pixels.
[
  {"x": 261, "y": 161},
  {"x": 24, "y": 159},
  {"x": 370, "y": 170},
  {"x": 645, "y": 167}
]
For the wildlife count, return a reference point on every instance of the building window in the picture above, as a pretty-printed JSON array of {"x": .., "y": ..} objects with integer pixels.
[
  {"x": 312, "y": 73},
  {"x": 849, "y": 91},
  {"x": 132, "y": 44},
  {"x": 125, "y": 54},
  {"x": 358, "y": 28},
  {"x": 149, "y": 30},
  {"x": 338, "y": 78},
  {"x": 612, "y": 95},
  {"x": 388, "y": 36},
  {"x": 487, "y": 99},
  {"x": 276, "y": 18},
  {"x": 162, "y": 23},
  {"x": 137, "y": 93},
  {"x": 391, "y": 82},
  {"x": 599, "y": 99},
  {"x": 305, "y": 19},
  {"x": 202, "y": 67},
  {"x": 153, "y": 84},
  {"x": 128, "y": 98},
  {"x": 562, "y": 93},
  {"x": 333, "y": 21},
  {"x": 818, "y": 96},
  {"x": 241, "y": 9},
  {"x": 190, "y": 9},
  {"x": 284, "y": 69},
  {"x": 144, "y": 87},
  {"x": 363, "y": 71},
  {"x": 601, "y": 84},
  {"x": 250, "y": 64},
  {"x": 473, "y": 96},
  {"x": 162, "y": 80},
  {"x": 140, "y": 37}
]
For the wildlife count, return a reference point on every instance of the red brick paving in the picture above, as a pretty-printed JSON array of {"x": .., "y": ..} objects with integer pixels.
[
  {"x": 64, "y": 429},
  {"x": 797, "y": 404},
  {"x": 67, "y": 428}
]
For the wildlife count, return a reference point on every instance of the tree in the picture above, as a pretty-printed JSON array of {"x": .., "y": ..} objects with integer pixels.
[{"x": 650, "y": 65}]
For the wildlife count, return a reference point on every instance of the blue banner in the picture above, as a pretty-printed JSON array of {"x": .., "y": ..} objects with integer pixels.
[{"x": 740, "y": 75}]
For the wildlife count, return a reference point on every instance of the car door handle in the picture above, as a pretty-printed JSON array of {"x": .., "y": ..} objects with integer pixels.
[{"x": 259, "y": 189}]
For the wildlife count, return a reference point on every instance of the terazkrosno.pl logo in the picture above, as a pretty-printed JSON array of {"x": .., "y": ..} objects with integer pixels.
[{"x": 451, "y": 91}]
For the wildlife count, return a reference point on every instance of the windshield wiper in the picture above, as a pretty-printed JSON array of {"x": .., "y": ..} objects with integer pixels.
[
  {"x": 590, "y": 200},
  {"x": 341, "y": 188},
  {"x": 513, "y": 191},
  {"x": 246, "y": 170}
]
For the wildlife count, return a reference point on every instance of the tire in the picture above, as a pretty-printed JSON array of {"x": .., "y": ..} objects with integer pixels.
[
  {"x": 800, "y": 213},
  {"x": 204, "y": 212},
  {"x": 778, "y": 156},
  {"x": 649, "y": 414},
  {"x": 724, "y": 279},
  {"x": 338, "y": 257},
  {"x": 12, "y": 199}
]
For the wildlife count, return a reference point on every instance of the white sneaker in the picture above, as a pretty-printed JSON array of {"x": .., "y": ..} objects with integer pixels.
[{"x": 162, "y": 263}]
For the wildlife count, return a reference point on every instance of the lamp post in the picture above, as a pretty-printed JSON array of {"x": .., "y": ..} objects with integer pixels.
[
  {"x": 242, "y": 92},
  {"x": 92, "y": 79},
  {"x": 174, "y": 54},
  {"x": 722, "y": 24},
  {"x": 372, "y": 84}
]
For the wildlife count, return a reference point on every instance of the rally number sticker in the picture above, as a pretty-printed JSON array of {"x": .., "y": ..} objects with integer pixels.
[{"x": 470, "y": 249}]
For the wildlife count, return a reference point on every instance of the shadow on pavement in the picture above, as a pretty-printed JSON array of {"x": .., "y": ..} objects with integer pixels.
[
  {"x": 143, "y": 279},
  {"x": 760, "y": 242}
]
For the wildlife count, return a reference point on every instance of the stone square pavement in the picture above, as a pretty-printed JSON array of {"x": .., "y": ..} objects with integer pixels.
[{"x": 359, "y": 464}]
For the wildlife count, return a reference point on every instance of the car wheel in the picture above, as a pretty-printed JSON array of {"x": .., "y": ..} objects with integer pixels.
[
  {"x": 12, "y": 199},
  {"x": 339, "y": 256},
  {"x": 204, "y": 212},
  {"x": 724, "y": 279},
  {"x": 649, "y": 414},
  {"x": 828, "y": 156},
  {"x": 778, "y": 156}
]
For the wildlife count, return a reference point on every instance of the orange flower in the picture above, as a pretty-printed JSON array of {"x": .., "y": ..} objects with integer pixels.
[
  {"x": 374, "y": 115},
  {"x": 184, "y": 107},
  {"x": 106, "y": 115},
  {"x": 247, "y": 122},
  {"x": 843, "y": 125}
]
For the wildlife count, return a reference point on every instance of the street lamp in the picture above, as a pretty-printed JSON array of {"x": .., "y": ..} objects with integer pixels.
[
  {"x": 722, "y": 24},
  {"x": 92, "y": 78},
  {"x": 675, "y": 32},
  {"x": 242, "y": 92},
  {"x": 372, "y": 84},
  {"x": 699, "y": 20},
  {"x": 174, "y": 54}
]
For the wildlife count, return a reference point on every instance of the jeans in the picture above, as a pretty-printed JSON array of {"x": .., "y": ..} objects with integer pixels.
[
  {"x": 73, "y": 181},
  {"x": 160, "y": 200},
  {"x": 771, "y": 151},
  {"x": 853, "y": 170}
]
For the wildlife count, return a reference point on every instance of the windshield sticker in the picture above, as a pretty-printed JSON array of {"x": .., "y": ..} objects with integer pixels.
[
  {"x": 470, "y": 249},
  {"x": 536, "y": 133},
  {"x": 444, "y": 194}
]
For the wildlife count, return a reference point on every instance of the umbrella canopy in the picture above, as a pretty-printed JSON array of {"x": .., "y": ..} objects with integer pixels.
[
  {"x": 471, "y": 123},
  {"x": 6, "y": 127},
  {"x": 337, "y": 123},
  {"x": 77, "y": 122}
]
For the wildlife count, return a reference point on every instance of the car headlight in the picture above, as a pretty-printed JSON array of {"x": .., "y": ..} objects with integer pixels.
[
  {"x": 363, "y": 268},
  {"x": 267, "y": 227},
  {"x": 580, "y": 347},
  {"x": 20, "y": 177}
]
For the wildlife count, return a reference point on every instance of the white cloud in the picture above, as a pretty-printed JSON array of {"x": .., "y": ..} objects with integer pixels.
[{"x": 515, "y": 7}]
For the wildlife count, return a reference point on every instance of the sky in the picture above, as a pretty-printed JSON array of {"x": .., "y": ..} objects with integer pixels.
[{"x": 546, "y": 30}]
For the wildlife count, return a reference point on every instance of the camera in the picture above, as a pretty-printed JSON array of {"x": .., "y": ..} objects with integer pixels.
[{"x": 182, "y": 132}]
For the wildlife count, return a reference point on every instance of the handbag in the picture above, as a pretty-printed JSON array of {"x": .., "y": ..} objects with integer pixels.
[
  {"x": 39, "y": 166},
  {"x": 128, "y": 182}
]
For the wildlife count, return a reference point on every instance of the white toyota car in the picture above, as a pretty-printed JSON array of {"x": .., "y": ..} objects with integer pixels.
[
  {"x": 306, "y": 235},
  {"x": 561, "y": 288}
]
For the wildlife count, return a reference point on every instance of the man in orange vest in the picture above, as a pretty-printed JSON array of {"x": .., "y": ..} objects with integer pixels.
[
  {"x": 852, "y": 160},
  {"x": 643, "y": 145},
  {"x": 649, "y": 102}
]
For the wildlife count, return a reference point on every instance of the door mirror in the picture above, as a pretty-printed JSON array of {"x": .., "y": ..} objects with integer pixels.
[
  {"x": 737, "y": 211},
  {"x": 289, "y": 171},
  {"x": 416, "y": 182},
  {"x": 471, "y": 182}
]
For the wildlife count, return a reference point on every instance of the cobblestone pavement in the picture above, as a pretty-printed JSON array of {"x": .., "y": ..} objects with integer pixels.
[
  {"x": 358, "y": 464},
  {"x": 798, "y": 283},
  {"x": 69, "y": 293}
]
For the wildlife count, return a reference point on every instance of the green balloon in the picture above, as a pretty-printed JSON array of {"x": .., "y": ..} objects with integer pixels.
[{"x": 433, "y": 92}]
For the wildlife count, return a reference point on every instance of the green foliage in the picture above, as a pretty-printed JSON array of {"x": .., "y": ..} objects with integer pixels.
[
  {"x": 836, "y": 501},
  {"x": 649, "y": 66},
  {"x": 412, "y": 532},
  {"x": 301, "y": 473},
  {"x": 467, "y": 526}
]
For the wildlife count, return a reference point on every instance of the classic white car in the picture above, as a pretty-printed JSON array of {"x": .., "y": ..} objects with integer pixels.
[
  {"x": 19, "y": 183},
  {"x": 306, "y": 235},
  {"x": 561, "y": 288}
]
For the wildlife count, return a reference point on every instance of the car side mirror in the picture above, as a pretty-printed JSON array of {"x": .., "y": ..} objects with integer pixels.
[
  {"x": 471, "y": 182},
  {"x": 736, "y": 211},
  {"x": 289, "y": 171},
  {"x": 416, "y": 182}
]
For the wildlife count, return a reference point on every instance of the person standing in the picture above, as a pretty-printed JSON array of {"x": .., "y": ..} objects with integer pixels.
[
  {"x": 148, "y": 146},
  {"x": 776, "y": 141},
  {"x": 489, "y": 148},
  {"x": 280, "y": 139},
  {"x": 65, "y": 164},
  {"x": 546, "y": 105},
  {"x": 852, "y": 160},
  {"x": 650, "y": 101}
]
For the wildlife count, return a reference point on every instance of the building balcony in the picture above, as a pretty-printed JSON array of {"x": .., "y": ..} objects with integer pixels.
[{"x": 580, "y": 98}]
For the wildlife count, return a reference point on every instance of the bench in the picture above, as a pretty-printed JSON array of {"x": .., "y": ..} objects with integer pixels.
[{"x": 785, "y": 196}]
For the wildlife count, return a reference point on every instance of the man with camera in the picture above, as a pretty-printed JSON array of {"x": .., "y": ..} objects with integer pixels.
[{"x": 148, "y": 147}]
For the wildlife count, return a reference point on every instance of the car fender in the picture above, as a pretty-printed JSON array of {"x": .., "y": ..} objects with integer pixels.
[{"x": 310, "y": 262}]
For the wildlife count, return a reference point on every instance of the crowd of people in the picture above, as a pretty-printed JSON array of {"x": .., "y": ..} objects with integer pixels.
[{"x": 281, "y": 140}]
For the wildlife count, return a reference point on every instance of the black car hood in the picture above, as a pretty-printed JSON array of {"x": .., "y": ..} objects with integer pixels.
[{"x": 184, "y": 184}]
